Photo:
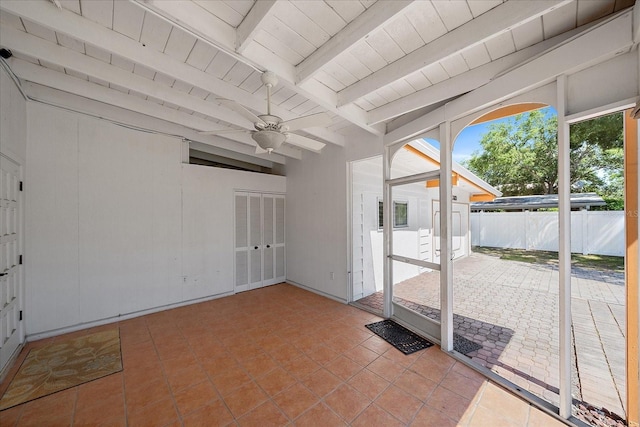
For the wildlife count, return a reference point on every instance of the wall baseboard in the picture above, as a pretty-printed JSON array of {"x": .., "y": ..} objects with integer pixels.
[
  {"x": 114, "y": 319},
  {"x": 315, "y": 291}
]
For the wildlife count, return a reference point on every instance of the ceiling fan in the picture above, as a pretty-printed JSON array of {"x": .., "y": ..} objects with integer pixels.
[{"x": 271, "y": 131}]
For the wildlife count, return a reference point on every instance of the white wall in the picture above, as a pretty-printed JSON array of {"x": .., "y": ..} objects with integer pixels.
[
  {"x": 116, "y": 224},
  {"x": 602, "y": 84},
  {"x": 317, "y": 216},
  {"x": 592, "y": 232},
  {"x": 208, "y": 230},
  {"x": 13, "y": 120},
  {"x": 316, "y": 223}
]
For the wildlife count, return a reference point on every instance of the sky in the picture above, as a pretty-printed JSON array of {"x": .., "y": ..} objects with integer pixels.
[
  {"x": 469, "y": 138},
  {"x": 467, "y": 142}
]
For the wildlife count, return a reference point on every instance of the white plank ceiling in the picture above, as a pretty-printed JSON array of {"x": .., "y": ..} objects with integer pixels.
[{"x": 364, "y": 62}]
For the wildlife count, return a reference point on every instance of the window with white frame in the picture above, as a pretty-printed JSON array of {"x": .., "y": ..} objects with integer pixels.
[{"x": 400, "y": 214}]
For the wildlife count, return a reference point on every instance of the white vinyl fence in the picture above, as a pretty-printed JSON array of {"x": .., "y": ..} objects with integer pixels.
[{"x": 592, "y": 232}]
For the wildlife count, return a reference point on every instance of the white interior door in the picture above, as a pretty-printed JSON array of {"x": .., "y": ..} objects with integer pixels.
[
  {"x": 273, "y": 231},
  {"x": 11, "y": 334},
  {"x": 242, "y": 242},
  {"x": 255, "y": 241},
  {"x": 259, "y": 240},
  {"x": 268, "y": 229}
]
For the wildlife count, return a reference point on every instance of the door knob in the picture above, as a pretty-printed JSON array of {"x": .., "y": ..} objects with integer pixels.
[
  {"x": 255, "y": 247},
  {"x": 268, "y": 246}
]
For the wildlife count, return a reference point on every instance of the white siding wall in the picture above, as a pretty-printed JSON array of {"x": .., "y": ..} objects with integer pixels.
[
  {"x": 366, "y": 190},
  {"x": 117, "y": 224},
  {"x": 368, "y": 240}
]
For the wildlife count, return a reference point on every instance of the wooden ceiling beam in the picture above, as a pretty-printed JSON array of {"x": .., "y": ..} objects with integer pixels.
[
  {"x": 252, "y": 23},
  {"x": 58, "y": 55},
  {"x": 193, "y": 15},
  {"x": 113, "y": 98},
  {"x": 467, "y": 81},
  {"x": 636, "y": 23},
  {"x": 369, "y": 21},
  {"x": 610, "y": 37},
  {"x": 261, "y": 58},
  {"x": 36, "y": 47},
  {"x": 486, "y": 26},
  {"x": 67, "y": 22}
]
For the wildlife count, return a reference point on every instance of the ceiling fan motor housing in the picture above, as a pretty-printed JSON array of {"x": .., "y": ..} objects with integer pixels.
[{"x": 270, "y": 123}]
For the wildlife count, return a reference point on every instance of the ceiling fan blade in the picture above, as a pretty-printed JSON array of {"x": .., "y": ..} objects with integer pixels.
[
  {"x": 312, "y": 120},
  {"x": 222, "y": 131},
  {"x": 304, "y": 142},
  {"x": 233, "y": 105}
]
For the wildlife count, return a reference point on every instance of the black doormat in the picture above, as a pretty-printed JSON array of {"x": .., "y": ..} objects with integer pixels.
[
  {"x": 463, "y": 345},
  {"x": 399, "y": 336}
]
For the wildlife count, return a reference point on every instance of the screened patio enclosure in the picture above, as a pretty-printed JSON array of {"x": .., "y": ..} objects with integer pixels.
[
  {"x": 443, "y": 330},
  {"x": 105, "y": 103},
  {"x": 415, "y": 216}
]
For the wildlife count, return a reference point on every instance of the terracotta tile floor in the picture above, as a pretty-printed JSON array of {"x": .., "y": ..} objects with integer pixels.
[
  {"x": 509, "y": 307},
  {"x": 274, "y": 356}
]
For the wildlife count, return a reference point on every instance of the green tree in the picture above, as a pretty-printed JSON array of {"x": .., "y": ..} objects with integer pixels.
[
  {"x": 603, "y": 139},
  {"x": 520, "y": 155}
]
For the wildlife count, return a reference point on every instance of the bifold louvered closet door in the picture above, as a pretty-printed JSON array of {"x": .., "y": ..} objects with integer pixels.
[{"x": 259, "y": 240}]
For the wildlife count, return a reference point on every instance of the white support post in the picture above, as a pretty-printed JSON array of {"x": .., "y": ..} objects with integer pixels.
[
  {"x": 446, "y": 262},
  {"x": 632, "y": 255},
  {"x": 185, "y": 151},
  {"x": 387, "y": 218},
  {"x": 564, "y": 253}
]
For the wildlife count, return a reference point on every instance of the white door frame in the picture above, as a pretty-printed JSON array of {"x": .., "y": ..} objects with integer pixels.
[{"x": 12, "y": 344}]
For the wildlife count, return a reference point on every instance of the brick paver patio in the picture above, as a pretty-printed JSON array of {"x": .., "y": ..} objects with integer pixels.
[{"x": 511, "y": 308}]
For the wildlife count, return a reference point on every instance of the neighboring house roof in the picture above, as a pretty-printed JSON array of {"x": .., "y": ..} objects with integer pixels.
[
  {"x": 578, "y": 200},
  {"x": 420, "y": 156}
]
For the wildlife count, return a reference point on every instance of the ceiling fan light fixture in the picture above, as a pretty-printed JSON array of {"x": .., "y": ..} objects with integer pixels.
[
  {"x": 268, "y": 139},
  {"x": 270, "y": 130}
]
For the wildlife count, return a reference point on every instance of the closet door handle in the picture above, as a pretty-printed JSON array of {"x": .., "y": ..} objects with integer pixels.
[
  {"x": 255, "y": 247},
  {"x": 268, "y": 246}
]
